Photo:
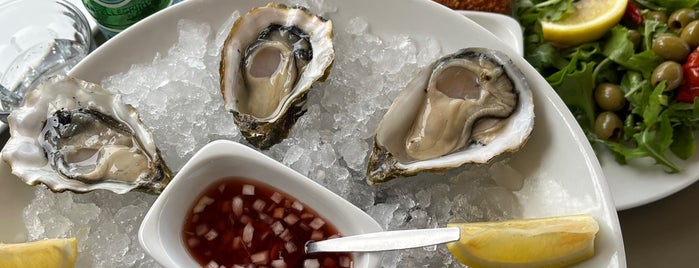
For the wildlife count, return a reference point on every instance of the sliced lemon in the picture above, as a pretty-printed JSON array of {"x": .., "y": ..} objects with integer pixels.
[
  {"x": 542, "y": 242},
  {"x": 588, "y": 22},
  {"x": 50, "y": 253}
]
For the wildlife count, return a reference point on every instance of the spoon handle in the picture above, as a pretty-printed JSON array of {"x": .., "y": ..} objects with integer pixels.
[{"x": 389, "y": 240}]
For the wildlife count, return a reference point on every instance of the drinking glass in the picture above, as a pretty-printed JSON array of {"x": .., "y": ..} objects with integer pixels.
[{"x": 38, "y": 39}]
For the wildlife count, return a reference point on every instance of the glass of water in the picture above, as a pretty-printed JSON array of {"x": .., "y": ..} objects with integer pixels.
[{"x": 38, "y": 39}]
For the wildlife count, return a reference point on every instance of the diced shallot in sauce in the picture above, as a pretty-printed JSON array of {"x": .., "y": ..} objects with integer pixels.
[
  {"x": 203, "y": 202},
  {"x": 248, "y": 189},
  {"x": 261, "y": 257},
  {"x": 291, "y": 219},
  {"x": 241, "y": 223},
  {"x": 278, "y": 264},
  {"x": 278, "y": 213},
  {"x": 297, "y": 205},
  {"x": 237, "y": 206},
  {"x": 212, "y": 264},
  {"x": 248, "y": 231},
  {"x": 311, "y": 263},
  {"x": 211, "y": 235},
  {"x": 259, "y": 205},
  {"x": 276, "y": 197},
  {"x": 317, "y": 223}
]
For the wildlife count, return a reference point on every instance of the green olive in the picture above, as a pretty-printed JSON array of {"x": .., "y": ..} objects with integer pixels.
[
  {"x": 690, "y": 34},
  {"x": 635, "y": 38},
  {"x": 680, "y": 18},
  {"x": 608, "y": 126},
  {"x": 670, "y": 47},
  {"x": 609, "y": 97},
  {"x": 657, "y": 16},
  {"x": 670, "y": 72}
]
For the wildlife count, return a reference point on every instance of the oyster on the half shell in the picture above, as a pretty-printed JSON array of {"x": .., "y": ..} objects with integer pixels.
[
  {"x": 74, "y": 135},
  {"x": 467, "y": 107},
  {"x": 270, "y": 60}
]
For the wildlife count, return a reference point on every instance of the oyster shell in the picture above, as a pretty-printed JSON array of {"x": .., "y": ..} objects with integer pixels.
[
  {"x": 467, "y": 107},
  {"x": 74, "y": 135},
  {"x": 270, "y": 60}
]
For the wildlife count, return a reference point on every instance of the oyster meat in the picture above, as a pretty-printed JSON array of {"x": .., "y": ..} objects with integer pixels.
[
  {"x": 269, "y": 61},
  {"x": 467, "y": 107},
  {"x": 74, "y": 135}
]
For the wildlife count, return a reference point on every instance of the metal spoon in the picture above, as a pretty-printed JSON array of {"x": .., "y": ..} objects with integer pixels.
[{"x": 383, "y": 241}]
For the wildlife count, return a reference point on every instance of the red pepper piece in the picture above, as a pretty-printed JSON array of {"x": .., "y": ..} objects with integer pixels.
[
  {"x": 690, "y": 84},
  {"x": 633, "y": 13}
]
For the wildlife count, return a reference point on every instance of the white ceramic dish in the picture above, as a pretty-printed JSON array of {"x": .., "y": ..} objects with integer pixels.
[
  {"x": 161, "y": 230},
  {"x": 505, "y": 28},
  {"x": 557, "y": 150}
]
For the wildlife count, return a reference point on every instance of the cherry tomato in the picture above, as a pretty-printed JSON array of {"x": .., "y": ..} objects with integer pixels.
[{"x": 690, "y": 85}]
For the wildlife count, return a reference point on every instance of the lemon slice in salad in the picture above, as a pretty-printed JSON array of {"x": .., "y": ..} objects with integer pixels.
[
  {"x": 50, "y": 253},
  {"x": 542, "y": 242},
  {"x": 589, "y": 21}
]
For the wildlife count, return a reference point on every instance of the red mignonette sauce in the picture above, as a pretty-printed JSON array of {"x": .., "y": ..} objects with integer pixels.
[{"x": 237, "y": 222}]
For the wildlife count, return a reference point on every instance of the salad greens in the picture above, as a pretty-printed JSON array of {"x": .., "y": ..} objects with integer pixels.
[{"x": 655, "y": 124}]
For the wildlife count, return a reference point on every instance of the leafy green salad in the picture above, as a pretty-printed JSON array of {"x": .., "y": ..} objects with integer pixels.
[{"x": 633, "y": 89}]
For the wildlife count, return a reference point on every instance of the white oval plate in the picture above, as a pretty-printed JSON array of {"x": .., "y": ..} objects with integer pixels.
[{"x": 557, "y": 150}]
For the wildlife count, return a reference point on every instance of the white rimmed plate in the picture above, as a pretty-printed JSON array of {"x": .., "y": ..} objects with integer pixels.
[{"x": 557, "y": 150}]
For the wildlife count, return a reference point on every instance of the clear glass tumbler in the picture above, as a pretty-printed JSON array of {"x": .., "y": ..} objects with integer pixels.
[{"x": 38, "y": 39}]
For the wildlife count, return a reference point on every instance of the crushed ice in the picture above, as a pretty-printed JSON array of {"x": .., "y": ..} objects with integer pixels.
[{"x": 329, "y": 144}]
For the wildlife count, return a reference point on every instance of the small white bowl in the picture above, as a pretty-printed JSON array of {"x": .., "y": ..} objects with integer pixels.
[{"x": 161, "y": 230}]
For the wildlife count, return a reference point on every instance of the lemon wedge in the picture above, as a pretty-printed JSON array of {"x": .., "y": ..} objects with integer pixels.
[
  {"x": 588, "y": 22},
  {"x": 50, "y": 253},
  {"x": 542, "y": 242}
]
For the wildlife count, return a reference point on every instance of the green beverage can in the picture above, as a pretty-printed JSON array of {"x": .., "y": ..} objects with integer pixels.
[{"x": 113, "y": 16}]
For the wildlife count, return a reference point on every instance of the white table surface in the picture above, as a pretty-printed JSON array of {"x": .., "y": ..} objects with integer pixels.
[{"x": 664, "y": 233}]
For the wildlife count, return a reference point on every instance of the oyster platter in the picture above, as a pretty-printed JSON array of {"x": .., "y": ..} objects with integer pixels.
[{"x": 417, "y": 122}]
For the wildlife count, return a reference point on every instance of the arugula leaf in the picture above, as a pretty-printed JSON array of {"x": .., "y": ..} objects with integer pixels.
[
  {"x": 666, "y": 5},
  {"x": 644, "y": 62},
  {"x": 654, "y": 105},
  {"x": 655, "y": 143},
  {"x": 683, "y": 142},
  {"x": 575, "y": 85},
  {"x": 540, "y": 54},
  {"x": 650, "y": 28},
  {"x": 553, "y": 10},
  {"x": 684, "y": 117},
  {"x": 632, "y": 83},
  {"x": 545, "y": 56},
  {"x": 653, "y": 135},
  {"x": 651, "y": 143},
  {"x": 620, "y": 49},
  {"x": 650, "y": 4}
]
